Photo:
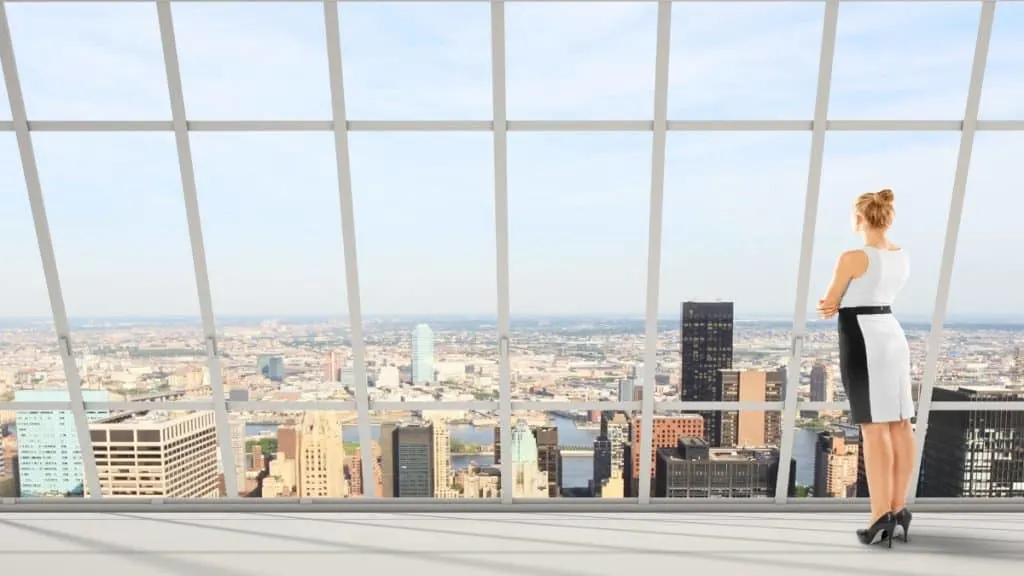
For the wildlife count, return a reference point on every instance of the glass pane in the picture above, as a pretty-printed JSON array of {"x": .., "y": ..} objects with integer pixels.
[
  {"x": 429, "y": 61},
  {"x": 85, "y": 61},
  {"x": 723, "y": 304},
  {"x": 29, "y": 359},
  {"x": 565, "y": 192},
  {"x": 253, "y": 61},
  {"x": 301, "y": 454},
  {"x": 425, "y": 213},
  {"x": 744, "y": 60},
  {"x": 590, "y": 61},
  {"x": 919, "y": 169},
  {"x": 578, "y": 217},
  {"x": 120, "y": 233},
  {"x": 138, "y": 456},
  {"x": 273, "y": 236},
  {"x": 985, "y": 282},
  {"x": 1002, "y": 96},
  {"x": 903, "y": 60},
  {"x": 982, "y": 357},
  {"x": 746, "y": 463}
]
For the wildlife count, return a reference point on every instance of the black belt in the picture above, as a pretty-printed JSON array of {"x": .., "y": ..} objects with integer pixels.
[{"x": 861, "y": 310}]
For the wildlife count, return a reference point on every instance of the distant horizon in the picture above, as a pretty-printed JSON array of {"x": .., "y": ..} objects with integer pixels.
[{"x": 997, "y": 319}]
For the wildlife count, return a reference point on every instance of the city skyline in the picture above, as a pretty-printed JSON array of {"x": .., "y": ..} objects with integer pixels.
[
  {"x": 424, "y": 437},
  {"x": 424, "y": 202}
]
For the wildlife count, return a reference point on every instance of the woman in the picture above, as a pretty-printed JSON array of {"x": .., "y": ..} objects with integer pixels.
[{"x": 874, "y": 361}]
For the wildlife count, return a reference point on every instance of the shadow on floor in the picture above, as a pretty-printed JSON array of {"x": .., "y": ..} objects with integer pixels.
[
  {"x": 171, "y": 564},
  {"x": 758, "y": 558},
  {"x": 926, "y": 539},
  {"x": 439, "y": 557}
]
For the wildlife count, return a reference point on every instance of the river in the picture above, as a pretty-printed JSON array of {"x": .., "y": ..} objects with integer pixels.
[{"x": 577, "y": 471}]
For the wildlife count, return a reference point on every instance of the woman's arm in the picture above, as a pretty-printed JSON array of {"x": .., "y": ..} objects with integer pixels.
[{"x": 850, "y": 265}]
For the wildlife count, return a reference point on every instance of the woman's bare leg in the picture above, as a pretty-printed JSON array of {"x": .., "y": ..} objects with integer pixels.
[
  {"x": 903, "y": 453},
  {"x": 878, "y": 465}
]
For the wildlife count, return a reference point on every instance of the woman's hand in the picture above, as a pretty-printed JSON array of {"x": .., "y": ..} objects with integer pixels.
[{"x": 826, "y": 310}]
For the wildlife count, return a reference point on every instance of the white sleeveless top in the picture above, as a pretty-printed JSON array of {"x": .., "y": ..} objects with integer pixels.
[{"x": 886, "y": 275}]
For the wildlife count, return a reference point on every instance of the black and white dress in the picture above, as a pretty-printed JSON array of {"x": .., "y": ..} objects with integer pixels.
[{"x": 874, "y": 357}]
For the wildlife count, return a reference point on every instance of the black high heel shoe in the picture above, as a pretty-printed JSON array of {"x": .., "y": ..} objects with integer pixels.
[
  {"x": 879, "y": 532},
  {"x": 903, "y": 518}
]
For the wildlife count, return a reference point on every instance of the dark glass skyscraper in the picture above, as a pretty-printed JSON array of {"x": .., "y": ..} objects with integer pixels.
[
  {"x": 413, "y": 446},
  {"x": 706, "y": 329},
  {"x": 549, "y": 458},
  {"x": 974, "y": 453}
]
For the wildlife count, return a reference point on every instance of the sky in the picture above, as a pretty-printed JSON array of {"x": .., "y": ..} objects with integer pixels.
[{"x": 578, "y": 203}]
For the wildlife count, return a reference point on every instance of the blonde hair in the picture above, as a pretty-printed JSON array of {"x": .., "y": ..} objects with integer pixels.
[{"x": 876, "y": 208}]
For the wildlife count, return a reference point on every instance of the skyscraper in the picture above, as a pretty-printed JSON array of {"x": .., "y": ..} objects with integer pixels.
[
  {"x": 528, "y": 480},
  {"x": 707, "y": 330},
  {"x": 422, "y": 354},
  {"x": 602, "y": 464},
  {"x": 743, "y": 428},
  {"x": 631, "y": 388},
  {"x": 321, "y": 457},
  {"x": 442, "y": 459},
  {"x": 549, "y": 458},
  {"x": 271, "y": 366},
  {"x": 49, "y": 456},
  {"x": 774, "y": 391},
  {"x": 615, "y": 427},
  {"x": 387, "y": 458},
  {"x": 835, "y": 463},
  {"x": 160, "y": 454},
  {"x": 333, "y": 362},
  {"x": 237, "y": 427},
  {"x": 822, "y": 386},
  {"x": 666, "y": 431},
  {"x": 691, "y": 469},
  {"x": 973, "y": 453},
  {"x": 413, "y": 446}
]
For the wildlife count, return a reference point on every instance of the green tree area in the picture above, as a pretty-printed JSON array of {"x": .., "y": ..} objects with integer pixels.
[
  {"x": 803, "y": 491},
  {"x": 267, "y": 445},
  {"x": 816, "y": 424},
  {"x": 485, "y": 396},
  {"x": 351, "y": 448},
  {"x": 460, "y": 447}
]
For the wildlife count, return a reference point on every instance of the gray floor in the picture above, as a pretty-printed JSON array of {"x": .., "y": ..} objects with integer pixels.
[{"x": 521, "y": 544}]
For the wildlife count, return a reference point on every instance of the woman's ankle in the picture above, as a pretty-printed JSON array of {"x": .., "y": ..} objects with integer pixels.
[{"x": 877, "y": 515}]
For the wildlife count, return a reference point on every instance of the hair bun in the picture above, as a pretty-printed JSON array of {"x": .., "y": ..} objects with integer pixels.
[{"x": 885, "y": 195}]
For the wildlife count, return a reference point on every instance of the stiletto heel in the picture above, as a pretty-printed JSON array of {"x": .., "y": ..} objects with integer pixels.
[
  {"x": 879, "y": 532},
  {"x": 903, "y": 518}
]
